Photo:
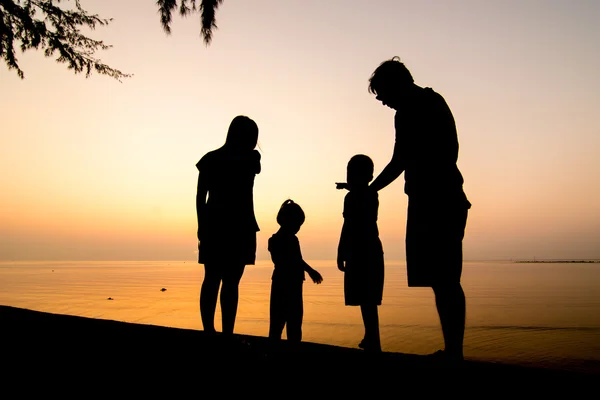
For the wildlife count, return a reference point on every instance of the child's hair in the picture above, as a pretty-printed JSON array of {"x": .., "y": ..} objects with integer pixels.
[
  {"x": 290, "y": 213},
  {"x": 361, "y": 166}
]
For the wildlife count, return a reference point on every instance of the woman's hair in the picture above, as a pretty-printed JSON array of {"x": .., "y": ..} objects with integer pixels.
[
  {"x": 392, "y": 73},
  {"x": 290, "y": 213},
  {"x": 242, "y": 133}
]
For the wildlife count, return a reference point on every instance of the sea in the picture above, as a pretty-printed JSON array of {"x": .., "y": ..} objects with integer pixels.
[{"x": 539, "y": 314}]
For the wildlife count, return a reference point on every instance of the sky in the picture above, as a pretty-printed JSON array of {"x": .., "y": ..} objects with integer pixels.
[{"x": 96, "y": 169}]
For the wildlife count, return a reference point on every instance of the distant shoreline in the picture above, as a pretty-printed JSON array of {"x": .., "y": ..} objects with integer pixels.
[{"x": 558, "y": 261}]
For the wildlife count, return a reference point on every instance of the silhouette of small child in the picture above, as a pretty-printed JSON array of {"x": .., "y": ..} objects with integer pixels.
[
  {"x": 286, "y": 307},
  {"x": 360, "y": 253}
]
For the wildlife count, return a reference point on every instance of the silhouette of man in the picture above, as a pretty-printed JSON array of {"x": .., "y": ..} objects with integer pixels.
[{"x": 426, "y": 150}]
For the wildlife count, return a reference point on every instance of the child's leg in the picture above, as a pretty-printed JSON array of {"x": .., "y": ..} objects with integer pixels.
[
  {"x": 277, "y": 311},
  {"x": 295, "y": 313},
  {"x": 370, "y": 317}
]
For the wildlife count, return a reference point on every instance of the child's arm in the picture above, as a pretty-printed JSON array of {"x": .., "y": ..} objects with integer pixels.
[
  {"x": 341, "y": 254},
  {"x": 313, "y": 273}
]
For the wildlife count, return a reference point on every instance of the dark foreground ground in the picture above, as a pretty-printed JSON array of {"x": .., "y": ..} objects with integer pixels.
[{"x": 74, "y": 355}]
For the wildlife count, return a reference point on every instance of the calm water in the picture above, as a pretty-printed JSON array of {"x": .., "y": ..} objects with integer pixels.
[{"x": 528, "y": 314}]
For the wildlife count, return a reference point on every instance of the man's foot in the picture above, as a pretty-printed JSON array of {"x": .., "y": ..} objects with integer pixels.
[
  {"x": 443, "y": 359},
  {"x": 369, "y": 346}
]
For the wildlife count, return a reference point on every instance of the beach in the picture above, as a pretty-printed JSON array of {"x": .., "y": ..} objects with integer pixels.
[
  {"x": 39, "y": 345},
  {"x": 534, "y": 315}
]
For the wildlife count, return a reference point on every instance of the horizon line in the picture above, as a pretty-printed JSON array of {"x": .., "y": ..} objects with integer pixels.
[{"x": 531, "y": 260}]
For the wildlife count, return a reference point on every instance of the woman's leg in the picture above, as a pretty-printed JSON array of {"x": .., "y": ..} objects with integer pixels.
[
  {"x": 370, "y": 317},
  {"x": 229, "y": 296},
  {"x": 208, "y": 297}
]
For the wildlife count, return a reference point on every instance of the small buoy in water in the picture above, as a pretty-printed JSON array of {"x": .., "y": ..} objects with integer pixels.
[
  {"x": 110, "y": 298},
  {"x": 163, "y": 289}
]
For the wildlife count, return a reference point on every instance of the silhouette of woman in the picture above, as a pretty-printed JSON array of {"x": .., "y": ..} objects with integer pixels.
[{"x": 226, "y": 222}]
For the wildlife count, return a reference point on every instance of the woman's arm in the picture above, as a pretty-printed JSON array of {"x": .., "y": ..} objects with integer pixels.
[
  {"x": 201, "y": 193},
  {"x": 257, "y": 165}
]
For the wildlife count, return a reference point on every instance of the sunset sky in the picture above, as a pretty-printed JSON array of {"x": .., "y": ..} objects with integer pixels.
[{"x": 95, "y": 169}]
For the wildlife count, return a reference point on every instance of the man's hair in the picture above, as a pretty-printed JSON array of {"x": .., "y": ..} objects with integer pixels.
[
  {"x": 290, "y": 213},
  {"x": 392, "y": 73}
]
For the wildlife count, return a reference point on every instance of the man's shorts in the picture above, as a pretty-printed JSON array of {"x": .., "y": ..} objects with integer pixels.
[{"x": 434, "y": 235}]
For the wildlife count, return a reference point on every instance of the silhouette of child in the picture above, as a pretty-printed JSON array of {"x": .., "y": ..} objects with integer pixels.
[
  {"x": 360, "y": 253},
  {"x": 286, "y": 307}
]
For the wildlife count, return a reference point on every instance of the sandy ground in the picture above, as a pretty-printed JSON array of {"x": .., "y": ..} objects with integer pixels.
[{"x": 81, "y": 357}]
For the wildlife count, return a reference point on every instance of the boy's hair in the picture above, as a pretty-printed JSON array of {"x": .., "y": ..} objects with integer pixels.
[
  {"x": 362, "y": 167},
  {"x": 290, "y": 213},
  {"x": 392, "y": 73}
]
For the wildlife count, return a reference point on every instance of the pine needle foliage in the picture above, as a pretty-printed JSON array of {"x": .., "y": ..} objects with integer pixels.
[
  {"x": 206, "y": 8},
  {"x": 51, "y": 26}
]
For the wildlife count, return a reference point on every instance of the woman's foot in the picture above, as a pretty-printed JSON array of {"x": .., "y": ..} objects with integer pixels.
[{"x": 210, "y": 332}]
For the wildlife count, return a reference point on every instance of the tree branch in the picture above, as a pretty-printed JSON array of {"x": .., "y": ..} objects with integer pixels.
[
  {"x": 58, "y": 31},
  {"x": 207, "y": 9}
]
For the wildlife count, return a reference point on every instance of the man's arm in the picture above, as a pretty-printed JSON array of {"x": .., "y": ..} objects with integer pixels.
[
  {"x": 396, "y": 165},
  {"x": 389, "y": 174}
]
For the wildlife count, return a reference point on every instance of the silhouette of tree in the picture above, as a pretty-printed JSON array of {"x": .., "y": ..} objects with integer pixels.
[
  {"x": 57, "y": 30},
  {"x": 207, "y": 9}
]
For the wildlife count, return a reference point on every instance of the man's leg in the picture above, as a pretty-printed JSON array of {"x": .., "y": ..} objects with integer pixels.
[
  {"x": 449, "y": 294},
  {"x": 451, "y": 307}
]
